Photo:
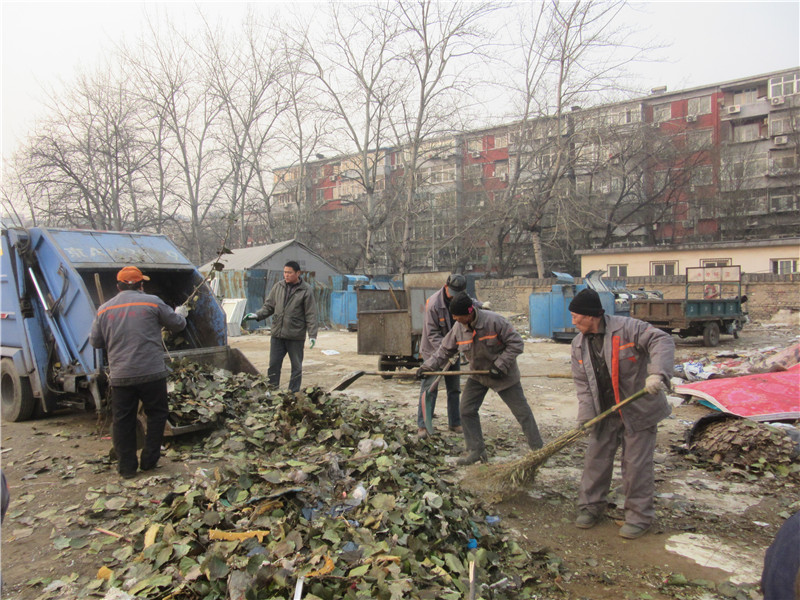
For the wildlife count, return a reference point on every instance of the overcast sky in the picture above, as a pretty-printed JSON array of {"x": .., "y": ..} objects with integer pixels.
[{"x": 710, "y": 42}]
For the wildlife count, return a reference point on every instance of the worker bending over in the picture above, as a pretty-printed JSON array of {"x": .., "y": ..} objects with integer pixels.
[{"x": 491, "y": 344}]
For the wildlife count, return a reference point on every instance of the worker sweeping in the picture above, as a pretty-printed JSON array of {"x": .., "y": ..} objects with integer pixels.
[
  {"x": 612, "y": 358},
  {"x": 490, "y": 343}
]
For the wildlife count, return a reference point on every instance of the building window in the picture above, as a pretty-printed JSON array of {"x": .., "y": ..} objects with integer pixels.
[
  {"x": 475, "y": 145},
  {"x": 321, "y": 195},
  {"x": 747, "y": 132},
  {"x": 662, "y": 112},
  {"x": 501, "y": 141},
  {"x": 782, "y": 124},
  {"x": 699, "y": 106},
  {"x": 699, "y": 140},
  {"x": 748, "y": 96},
  {"x": 501, "y": 169},
  {"x": 702, "y": 176},
  {"x": 659, "y": 269},
  {"x": 782, "y": 161},
  {"x": 784, "y": 266},
  {"x": 715, "y": 262},
  {"x": 783, "y": 203},
  {"x": 617, "y": 270},
  {"x": 785, "y": 85},
  {"x": 473, "y": 172}
]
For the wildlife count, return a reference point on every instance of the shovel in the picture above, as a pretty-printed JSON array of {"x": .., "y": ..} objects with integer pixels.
[{"x": 347, "y": 381}]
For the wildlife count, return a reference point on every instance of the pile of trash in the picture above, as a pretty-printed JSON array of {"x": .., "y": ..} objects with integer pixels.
[
  {"x": 313, "y": 495},
  {"x": 734, "y": 364}
]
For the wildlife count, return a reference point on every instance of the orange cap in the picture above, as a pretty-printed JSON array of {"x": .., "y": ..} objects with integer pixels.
[{"x": 131, "y": 275}]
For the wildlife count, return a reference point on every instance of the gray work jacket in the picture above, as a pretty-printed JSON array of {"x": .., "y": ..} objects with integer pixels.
[
  {"x": 632, "y": 350},
  {"x": 489, "y": 340},
  {"x": 128, "y": 327},
  {"x": 292, "y": 317}
]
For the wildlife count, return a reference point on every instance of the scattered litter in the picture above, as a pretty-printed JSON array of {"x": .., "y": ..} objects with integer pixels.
[
  {"x": 329, "y": 352},
  {"x": 711, "y": 552}
]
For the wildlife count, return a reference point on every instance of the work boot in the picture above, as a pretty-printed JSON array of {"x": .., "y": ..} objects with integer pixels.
[
  {"x": 586, "y": 520},
  {"x": 457, "y": 429},
  {"x": 632, "y": 532},
  {"x": 472, "y": 457},
  {"x": 422, "y": 433}
]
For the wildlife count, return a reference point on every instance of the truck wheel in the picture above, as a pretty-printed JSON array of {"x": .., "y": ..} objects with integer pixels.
[
  {"x": 17, "y": 396},
  {"x": 711, "y": 334},
  {"x": 385, "y": 363}
]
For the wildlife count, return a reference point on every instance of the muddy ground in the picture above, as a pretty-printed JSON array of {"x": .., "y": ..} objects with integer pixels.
[{"x": 712, "y": 526}]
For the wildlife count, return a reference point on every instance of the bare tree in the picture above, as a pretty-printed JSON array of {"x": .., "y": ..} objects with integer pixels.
[
  {"x": 440, "y": 42},
  {"x": 180, "y": 98},
  {"x": 571, "y": 53}
]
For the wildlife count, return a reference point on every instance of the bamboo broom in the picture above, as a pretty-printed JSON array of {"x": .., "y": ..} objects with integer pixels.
[{"x": 510, "y": 476}]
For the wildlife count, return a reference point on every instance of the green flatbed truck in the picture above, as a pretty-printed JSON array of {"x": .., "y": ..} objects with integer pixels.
[{"x": 720, "y": 310}]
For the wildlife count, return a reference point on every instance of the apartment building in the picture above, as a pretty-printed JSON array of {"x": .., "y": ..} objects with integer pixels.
[{"x": 709, "y": 164}]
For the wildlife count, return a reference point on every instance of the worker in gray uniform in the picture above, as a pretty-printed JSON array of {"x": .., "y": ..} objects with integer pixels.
[
  {"x": 490, "y": 343},
  {"x": 128, "y": 328},
  {"x": 612, "y": 358},
  {"x": 437, "y": 323}
]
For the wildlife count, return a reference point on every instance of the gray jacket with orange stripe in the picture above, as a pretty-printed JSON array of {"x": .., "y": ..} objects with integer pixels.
[
  {"x": 436, "y": 322},
  {"x": 489, "y": 340},
  {"x": 633, "y": 350},
  {"x": 128, "y": 327}
]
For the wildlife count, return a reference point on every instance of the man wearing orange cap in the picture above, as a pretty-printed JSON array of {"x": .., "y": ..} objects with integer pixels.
[{"x": 128, "y": 328}]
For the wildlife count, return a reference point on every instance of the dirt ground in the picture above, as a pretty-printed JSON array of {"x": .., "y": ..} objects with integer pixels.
[{"x": 708, "y": 542}]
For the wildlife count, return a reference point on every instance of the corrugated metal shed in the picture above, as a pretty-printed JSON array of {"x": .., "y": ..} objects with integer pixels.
[{"x": 272, "y": 257}]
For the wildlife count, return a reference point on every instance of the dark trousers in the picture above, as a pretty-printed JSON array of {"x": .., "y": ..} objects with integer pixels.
[
  {"x": 125, "y": 404},
  {"x": 471, "y": 401},
  {"x": 453, "y": 385},
  {"x": 278, "y": 348}
]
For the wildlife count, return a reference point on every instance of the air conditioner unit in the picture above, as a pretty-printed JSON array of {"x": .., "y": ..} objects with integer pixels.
[
  {"x": 504, "y": 177},
  {"x": 476, "y": 181},
  {"x": 777, "y": 100},
  {"x": 780, "y": 140},
  {"x": 691, "y": 118},
  {"x": 732, "y": 110},
  {"x": 475, "y": 154}
]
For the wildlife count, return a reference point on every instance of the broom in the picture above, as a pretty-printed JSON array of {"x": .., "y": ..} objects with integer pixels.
[{"x": 507, "y": 477}]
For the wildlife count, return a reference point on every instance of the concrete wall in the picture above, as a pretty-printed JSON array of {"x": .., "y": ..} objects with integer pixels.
[{"x": 766, "y": 293}]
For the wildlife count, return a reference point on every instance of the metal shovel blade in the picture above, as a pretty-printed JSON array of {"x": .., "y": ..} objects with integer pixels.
[{"x": 347, "y": 381}]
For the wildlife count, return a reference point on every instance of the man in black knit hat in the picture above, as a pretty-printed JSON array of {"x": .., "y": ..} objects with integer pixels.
[
  {"x": 612, "y": 358},
  {"x": 490, "y": 343}
]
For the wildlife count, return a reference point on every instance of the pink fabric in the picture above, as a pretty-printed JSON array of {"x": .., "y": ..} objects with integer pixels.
[{"x": 761, "y": 397}]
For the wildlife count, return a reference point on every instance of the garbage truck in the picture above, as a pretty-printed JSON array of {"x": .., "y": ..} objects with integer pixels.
[{"x": 51, "y": 283}]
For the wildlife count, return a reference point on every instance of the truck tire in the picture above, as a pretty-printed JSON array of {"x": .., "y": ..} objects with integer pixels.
[
  {"x": 17, "y": 396},
  {"x": 386, "y": 363},
  {"x": 711, "y": 334}
]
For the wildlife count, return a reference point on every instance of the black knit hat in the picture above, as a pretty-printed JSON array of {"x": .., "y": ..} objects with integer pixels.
[
  {"x": 461, "y": 305},
  {"x": 587, "y": 302}
]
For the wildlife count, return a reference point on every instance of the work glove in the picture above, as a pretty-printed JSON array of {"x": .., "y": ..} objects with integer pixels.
[
  {"x": 495, "y": 372},
  {"x": 311, "y": 342},
  {"x": 250, "y": 317},
  {"x": 422, "y": 372},
  {"x": 182, "y": 310},
  {"x": 654, "y": 384},
  {"x": 487, "y": 305}
]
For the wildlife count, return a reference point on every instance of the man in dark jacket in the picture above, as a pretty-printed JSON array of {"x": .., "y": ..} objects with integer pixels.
[
  {"x": 293, "y": 308},
  {"x": 128, "y": 328},
  {"x": 490, "y": 343},
  {"x": 612, "y": 358}
]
